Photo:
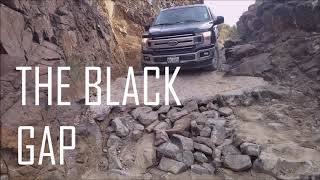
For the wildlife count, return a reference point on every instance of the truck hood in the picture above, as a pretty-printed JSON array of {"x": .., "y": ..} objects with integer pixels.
[{"x": 194, "y": 27}]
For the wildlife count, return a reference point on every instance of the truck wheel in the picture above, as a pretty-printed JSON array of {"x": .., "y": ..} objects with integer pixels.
[{"x": 216, "y": 60}]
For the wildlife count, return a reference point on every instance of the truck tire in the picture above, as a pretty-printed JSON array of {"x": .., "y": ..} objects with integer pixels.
[{"x": 216, "y": 60}]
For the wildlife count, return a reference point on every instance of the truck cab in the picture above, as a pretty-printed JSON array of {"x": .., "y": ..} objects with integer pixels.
[{"x": 184, "y": 36}]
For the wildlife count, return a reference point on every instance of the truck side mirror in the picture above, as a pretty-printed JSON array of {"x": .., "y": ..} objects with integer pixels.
[
  {"x": 219, "y": 20},
  {"x": 147, "y": 27}
]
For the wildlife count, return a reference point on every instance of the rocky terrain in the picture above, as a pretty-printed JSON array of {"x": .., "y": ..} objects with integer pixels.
[
  {"x": 229, "y": 126},
  {"x": 280, "y": 41},
  {"x": 238, "y": 131}
]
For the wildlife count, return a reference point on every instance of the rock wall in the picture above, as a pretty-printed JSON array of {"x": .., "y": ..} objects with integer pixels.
[
  {"x": 280, "y": 40},
  {"x": 279, "y": 16},
  {"x": 50, "y": 33},
  {"x": 62, "y": 33}
]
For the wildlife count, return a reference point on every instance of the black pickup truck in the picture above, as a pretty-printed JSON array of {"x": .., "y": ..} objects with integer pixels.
[{"x": 184, "y": 36}]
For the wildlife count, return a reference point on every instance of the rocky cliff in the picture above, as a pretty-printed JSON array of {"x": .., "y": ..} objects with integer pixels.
[
  {"x": 280, "y": 41},
  {"x": 75, "y": 33}
]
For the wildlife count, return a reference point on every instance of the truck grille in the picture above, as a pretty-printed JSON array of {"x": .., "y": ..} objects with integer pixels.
[
  {"x": 189, "y": 57},
  {"x": 176, "y": 42}
]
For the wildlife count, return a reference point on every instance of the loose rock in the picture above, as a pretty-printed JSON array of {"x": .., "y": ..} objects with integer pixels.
[
  {"x": 114, "y": 161},
  {"x": 163, "y": 109},
  {"x": 191, "y": 106},
  {"x": 162, "y": 117},
  {"x": 148, "y": 118},
  {"x": 145, "y": 115},
  {"x": 100, "y": 117},
  {"x": 200, "y": 118},
  {"x": 137, "y": 134},
  {"x": 202, "y": 169},
  {"x": 180, "y": 126},
  {"x": 204, "y": 140},
  {"x": 120, "y": 128},
  {"x": 218, "y": 134},
  {"x": 152, "y": 126},
  {"x": 211, "y": 106},
  {"x": 217, "y": 158},
  {"x": 202, "y": 109},
  {"x": 161, "y": 137},
  {"x": 186, "y": 157},
  {"x": 205, "y": 132},
  {"x": 173, "y": 166},
  {"x": 140, "y": 110},
  {"x": 200, "y": 157},
  {"x": 209, "y": 167},
  {"x": 237, "y": 162},
  {"x": 186, "y": 143},
  {"x": 168, "y": 149},
  {"x": 162, "y": 126},
  {"x": 203, "y": 148},
  {"x": 220, "y": 122},
  {"x": 211, "y": 114},
  {"x": 230, "y": 150},
  {"x": 250, "y": 149},
  {"x": 176, "y": 115},
  {"x": 195, "y": 128},
  {"x": 113, "y": 140},
  {"x": 139, "y": 127},
  {"x": 225, "y": 111}
]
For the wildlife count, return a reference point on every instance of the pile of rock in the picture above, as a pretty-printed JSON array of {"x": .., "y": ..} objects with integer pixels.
[{"x": 195, "y": 136}]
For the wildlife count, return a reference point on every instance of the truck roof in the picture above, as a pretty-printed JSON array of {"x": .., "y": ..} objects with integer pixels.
[{"x": 185, "y": 6}]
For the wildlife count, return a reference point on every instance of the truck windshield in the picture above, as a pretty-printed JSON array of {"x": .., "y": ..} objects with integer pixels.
[{"x": 182, "y": 15}]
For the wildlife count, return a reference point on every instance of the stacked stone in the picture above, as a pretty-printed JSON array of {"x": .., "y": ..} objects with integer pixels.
[{"x": 195, "y": 136}]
